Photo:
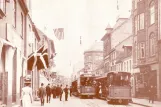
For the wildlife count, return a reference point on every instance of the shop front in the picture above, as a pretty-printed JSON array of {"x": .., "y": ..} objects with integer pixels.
[{"x": 144, "y": 79}]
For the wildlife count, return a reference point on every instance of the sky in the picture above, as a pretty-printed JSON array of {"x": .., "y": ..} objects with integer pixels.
[{"x": 85, "y": 18}]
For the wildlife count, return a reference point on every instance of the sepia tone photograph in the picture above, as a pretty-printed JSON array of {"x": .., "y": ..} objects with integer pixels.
[{"x": 80, "y": 53}]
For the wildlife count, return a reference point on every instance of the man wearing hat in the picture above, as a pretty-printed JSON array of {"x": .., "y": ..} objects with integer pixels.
[
  {"x": 42, "y": 93},
  {"x": 27, "y": 97}
]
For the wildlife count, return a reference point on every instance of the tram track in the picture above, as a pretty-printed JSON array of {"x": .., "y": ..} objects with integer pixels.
[{"x": 101, "y": 103}]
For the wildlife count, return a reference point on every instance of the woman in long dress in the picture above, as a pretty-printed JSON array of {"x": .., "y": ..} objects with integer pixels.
[{"x": 27, "y": 97}]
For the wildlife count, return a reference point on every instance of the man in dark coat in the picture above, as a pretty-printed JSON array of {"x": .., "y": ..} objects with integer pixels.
[
  {"x": 42, "y": 94},
  {"x": 61, "y": 92},
  {"x": 151, "y": 94},
  {"x": 70, "y": 91},
  {"x": 66, "y": 93},
  {"x": 57, "y": 91},
  {"x": 48, "y": 92}
]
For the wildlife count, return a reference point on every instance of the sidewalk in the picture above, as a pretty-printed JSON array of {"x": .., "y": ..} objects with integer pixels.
[{"x": 145, "y": 102}]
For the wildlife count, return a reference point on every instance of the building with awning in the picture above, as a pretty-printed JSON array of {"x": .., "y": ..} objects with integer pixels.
[{"x": 41, "y": 57}]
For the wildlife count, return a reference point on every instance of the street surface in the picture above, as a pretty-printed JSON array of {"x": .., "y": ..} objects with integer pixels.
[{"x": 76, "y": 102}]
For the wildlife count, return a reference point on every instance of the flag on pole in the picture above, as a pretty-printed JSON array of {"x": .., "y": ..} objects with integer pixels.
[{"x": 59, "y": 33}]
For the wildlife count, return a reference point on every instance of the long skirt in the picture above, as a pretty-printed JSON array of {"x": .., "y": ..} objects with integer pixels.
[{"x": 26, "y": 101}]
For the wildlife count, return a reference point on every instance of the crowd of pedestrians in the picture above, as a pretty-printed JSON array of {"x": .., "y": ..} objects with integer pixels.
[{"x": 52, "y": 92}]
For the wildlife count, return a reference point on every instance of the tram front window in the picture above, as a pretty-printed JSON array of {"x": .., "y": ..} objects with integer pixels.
[
  {"x": 86, "y": 81},
  {"x": 120, "y": 79}
]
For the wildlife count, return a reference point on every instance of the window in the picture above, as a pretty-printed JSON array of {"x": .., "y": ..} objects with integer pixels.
[
  {"x": 136, "y": 25},
  {"x": 135, "y": 4},
  {"x": 130, "y": 64},
  {"x": 2, "y": 5},
  {"x": 136, "y": 51},
  {"x": 142, "y": 21},
  {"x": 142, "y": 50},
  {"x": 14, "y": 12},
  {"x": 152, "y": 12},
  {"x": 152, "y": 44},
  {"x": 22, "y": 25},
  {"x": 127, "y": 65},
  {"x": 124, "y": 66}
]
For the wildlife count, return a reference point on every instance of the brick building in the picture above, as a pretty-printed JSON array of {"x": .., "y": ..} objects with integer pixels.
[
  {"x": 145, "y": 39},
  {"x": 121, "y": 30}
]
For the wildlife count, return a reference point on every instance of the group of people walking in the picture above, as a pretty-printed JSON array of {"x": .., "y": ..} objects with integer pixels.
[
  {"x": 55, "y": 92},
  {"x": 48, "y": 92}
]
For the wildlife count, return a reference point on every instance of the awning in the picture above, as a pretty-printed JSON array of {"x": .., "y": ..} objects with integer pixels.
[
  {"x": 45, "y": 56},
  {"x": 32, "y": 59}
]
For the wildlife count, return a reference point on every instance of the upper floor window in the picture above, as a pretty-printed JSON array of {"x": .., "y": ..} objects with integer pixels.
[
  {"x": 152, "y": 44},
  {"x": 142, "y": 50},
  {"x": 135, "y": 4},
  {"x": 22, "y": 25},
  {"x": 152, "y": 12},
  {"x": 141, "y": 21},
  {"x": 136, "y": 22},
  {"x": 130, "y": 66},
  {"x": 14, "y": 13},
  {"x": 2, "y": 5}
]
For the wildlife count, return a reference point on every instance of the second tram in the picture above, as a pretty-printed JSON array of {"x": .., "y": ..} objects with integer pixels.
[{"x": 115, "y": 87}]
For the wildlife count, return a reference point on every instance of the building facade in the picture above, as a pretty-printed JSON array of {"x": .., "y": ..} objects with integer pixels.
[
  {"x": 18, "y": 41},
  {"x": 93, "y": 57},
  {"x": 145, "y": 43},
  {"x": 13, "y": 38},
  {"x": 121, "y": 30}
]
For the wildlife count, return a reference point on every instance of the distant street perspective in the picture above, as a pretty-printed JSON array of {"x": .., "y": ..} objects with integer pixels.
[{"x": 80, "y": 53}]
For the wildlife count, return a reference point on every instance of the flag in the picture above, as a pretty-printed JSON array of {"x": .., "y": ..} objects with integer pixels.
[{"x": 59, "y": 33}]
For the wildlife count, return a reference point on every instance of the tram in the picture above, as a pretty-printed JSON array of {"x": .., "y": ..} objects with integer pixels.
[
  {"x": 86, "y": 86},
  {"x": 115, "y": 87},
  {"x": 74, "y": 88}
]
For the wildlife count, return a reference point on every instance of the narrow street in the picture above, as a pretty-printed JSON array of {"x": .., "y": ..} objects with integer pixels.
[{"x": 77, "y": 102}]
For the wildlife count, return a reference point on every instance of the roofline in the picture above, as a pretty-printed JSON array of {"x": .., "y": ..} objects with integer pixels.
[
  {"x": 105, "y": 36},
  {"x": 92, "y": 51}
]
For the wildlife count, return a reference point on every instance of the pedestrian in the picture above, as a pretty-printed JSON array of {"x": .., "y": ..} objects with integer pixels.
[
  {"x": 57, "y": 91},
  {"x": 100, "y": 91},
  {"x": 61, "y": 92},
  {"x": 66, "y": 93},
  {"x": 42, "y": 94},
  {"x": 151, "y": 94},
  {"x": 27, "y": 98},
  {"x": 48, "y": 93},
  {"x": 70, "y": 91},
  {"x": 54, "y": 91}
]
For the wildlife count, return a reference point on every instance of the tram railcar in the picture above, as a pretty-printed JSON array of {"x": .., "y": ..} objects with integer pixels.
[
  {"x": 118, "y": 88},
  {"x": 86, "y": 86},
  {"x": 74, "y": 88}
]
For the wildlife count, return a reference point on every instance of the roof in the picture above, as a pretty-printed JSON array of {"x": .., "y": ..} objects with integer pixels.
[{"x": 96, "y": 46}]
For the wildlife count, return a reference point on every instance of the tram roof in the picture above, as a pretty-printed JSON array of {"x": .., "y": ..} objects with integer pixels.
[
  {"x": 118, "y": 72},
  {"x": 100, "y": 77}
]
